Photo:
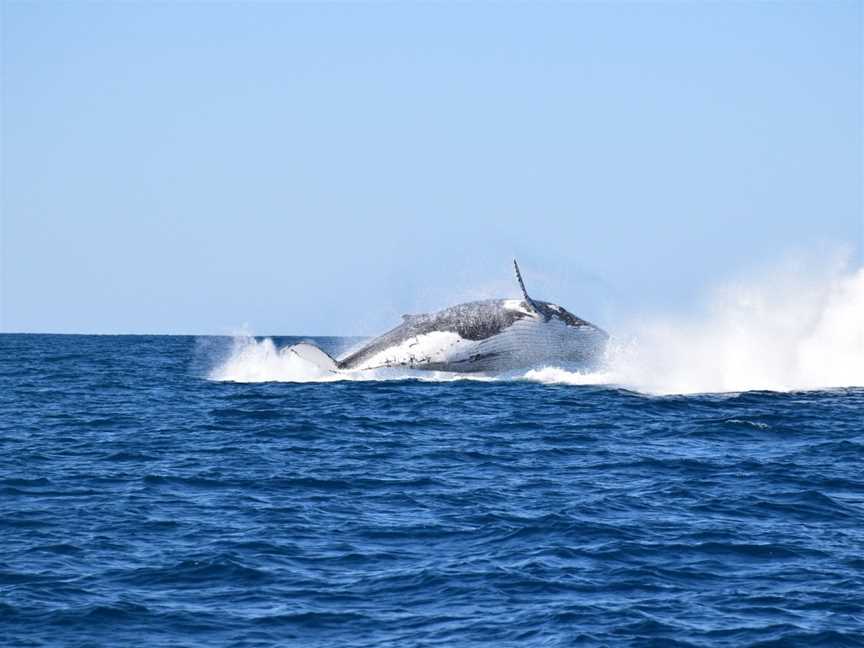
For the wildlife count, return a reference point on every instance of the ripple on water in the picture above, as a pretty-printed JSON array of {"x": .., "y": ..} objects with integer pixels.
[{"x": 141, "y": 504}]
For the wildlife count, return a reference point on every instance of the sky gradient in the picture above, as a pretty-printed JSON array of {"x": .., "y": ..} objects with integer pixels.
[{"x": 323, "y": 168}]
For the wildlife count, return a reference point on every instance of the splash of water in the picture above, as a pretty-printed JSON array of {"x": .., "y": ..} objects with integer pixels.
[
  {"x": 252, "y": 360},
  {"x": 790, "y": 329}
]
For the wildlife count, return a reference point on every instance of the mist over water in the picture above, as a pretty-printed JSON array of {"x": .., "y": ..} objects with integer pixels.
[
  {"x": 799, "y": 326},
  {"x": 789, "y": 330}
]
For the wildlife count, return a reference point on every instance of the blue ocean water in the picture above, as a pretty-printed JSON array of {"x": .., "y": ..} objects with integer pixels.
[{"x": 144, "y": 503}]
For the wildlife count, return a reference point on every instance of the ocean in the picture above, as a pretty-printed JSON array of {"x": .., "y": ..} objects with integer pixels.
[{"x": 189, "y": 491}]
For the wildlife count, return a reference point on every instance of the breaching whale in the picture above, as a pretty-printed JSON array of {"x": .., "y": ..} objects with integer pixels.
[{"x": 493, "y": 335}]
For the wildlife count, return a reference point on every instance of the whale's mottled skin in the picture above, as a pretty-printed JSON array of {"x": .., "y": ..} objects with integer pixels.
[{"x": 483, "y": 336}]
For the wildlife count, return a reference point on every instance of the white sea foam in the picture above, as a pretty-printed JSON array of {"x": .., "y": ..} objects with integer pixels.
[
  {"x": 252, "y": 360},
  {"x": 797, "y": 327}
]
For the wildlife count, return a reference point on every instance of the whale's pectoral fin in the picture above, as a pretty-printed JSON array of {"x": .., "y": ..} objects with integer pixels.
[
  {"x": 528, "y": 301},
  {"x": 314, "y": 355}
]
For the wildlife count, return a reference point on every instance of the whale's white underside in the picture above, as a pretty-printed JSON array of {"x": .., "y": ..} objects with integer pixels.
[
  {"x": 524, "y": 343},
  {"x": 485, "y": 336}
]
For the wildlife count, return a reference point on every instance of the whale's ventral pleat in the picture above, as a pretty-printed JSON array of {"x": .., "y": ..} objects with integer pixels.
[{"x": 482, "y": 336}]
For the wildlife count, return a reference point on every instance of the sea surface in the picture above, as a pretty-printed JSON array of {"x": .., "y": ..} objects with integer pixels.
[{"x": 144, "y": 502}]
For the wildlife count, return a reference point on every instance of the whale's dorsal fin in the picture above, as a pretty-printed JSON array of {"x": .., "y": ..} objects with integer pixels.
[{"x": 528, "y": 300}]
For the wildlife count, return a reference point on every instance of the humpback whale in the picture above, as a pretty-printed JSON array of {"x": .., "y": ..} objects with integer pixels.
[{"x": 493, "y": 335}]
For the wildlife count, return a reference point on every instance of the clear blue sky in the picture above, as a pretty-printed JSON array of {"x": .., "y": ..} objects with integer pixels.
[{"x": 323, "y": 168}]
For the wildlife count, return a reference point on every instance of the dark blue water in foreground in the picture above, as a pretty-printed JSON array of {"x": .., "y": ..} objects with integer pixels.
[{"x": 142, "y": 504}]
